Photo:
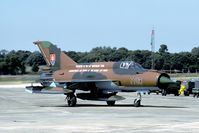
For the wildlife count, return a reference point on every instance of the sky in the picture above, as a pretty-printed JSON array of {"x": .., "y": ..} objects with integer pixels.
[{"x": 80, "y": 25}]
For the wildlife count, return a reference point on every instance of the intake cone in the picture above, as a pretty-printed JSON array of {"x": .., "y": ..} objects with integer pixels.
[{"x": 165, "y": 80}]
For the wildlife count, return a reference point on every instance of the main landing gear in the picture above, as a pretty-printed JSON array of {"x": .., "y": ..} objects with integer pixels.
[
  {"x": 71, "y": 99},
  {"x": 110, "y": 103},
  {"x": 137, "y": 101}
]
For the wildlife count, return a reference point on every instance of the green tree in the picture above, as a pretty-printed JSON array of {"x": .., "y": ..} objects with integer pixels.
[
  {"x": 35, "y": 67},
  {"x": 163, "y": 49},
  {"x": 13, "y": 62},
  {"x": 167, "y": 61},
  {"x": 35, "y": 57},
  {"x": 74, "y": 55},
  {"x": 159, "y": 61},
  {"x": 195, "y": 51},
  {"x": 22, "y": 56},
  {"x": 3, "y": 67}
]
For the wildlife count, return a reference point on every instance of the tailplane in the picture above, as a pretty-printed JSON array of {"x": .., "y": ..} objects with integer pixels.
[{"x": 53, "y": 56}]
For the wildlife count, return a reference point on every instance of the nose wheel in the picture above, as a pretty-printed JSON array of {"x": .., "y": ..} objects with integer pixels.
[
  {"x": 137, "y": 101},
  {"x": 71, "y": 99}
]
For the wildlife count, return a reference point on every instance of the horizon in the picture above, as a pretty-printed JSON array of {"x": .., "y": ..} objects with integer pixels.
[{"x": 96, "y": 47}]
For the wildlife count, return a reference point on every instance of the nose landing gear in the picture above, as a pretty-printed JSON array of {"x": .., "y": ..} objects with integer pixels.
[{"x": 137, "y": 101}]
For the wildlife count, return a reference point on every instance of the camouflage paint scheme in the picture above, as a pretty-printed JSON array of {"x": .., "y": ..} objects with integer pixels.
[{"x": 102, "y": 79}]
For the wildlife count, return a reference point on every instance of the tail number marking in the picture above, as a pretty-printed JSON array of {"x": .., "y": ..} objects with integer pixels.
[{"x": 136, "y": 81}]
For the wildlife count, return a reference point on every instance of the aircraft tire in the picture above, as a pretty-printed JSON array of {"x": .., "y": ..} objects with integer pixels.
[
  {"x": 137, "y": 103},
  {"x": 164, "y": 92},
  {"x": 72, "y": 100},
  {"x": 110, "y": 103}
]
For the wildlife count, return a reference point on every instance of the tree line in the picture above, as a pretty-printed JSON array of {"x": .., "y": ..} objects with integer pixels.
[{"x": 17, "y": 62}]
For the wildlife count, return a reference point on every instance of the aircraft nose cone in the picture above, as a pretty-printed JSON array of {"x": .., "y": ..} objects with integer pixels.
[{"x": 165, "y": 80}]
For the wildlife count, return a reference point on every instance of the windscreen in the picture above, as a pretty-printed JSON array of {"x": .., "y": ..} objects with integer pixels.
[{"x": 136, "y": 67}]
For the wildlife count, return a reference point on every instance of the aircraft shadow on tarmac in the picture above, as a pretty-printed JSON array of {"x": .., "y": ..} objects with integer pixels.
[{"x": 119, "y": 105}]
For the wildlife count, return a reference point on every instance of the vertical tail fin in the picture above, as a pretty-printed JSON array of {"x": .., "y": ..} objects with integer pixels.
[{"x": 53, "y": 56}]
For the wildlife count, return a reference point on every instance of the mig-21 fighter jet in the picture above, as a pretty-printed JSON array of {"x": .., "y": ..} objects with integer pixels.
[{"x": 98, "y": 80}]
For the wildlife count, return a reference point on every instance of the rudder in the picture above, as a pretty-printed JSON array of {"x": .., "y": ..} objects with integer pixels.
[{"x": 53, "y": 56}]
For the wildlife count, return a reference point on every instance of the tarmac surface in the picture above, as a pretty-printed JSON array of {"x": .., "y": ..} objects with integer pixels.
[{"x": 21, "y": 112}]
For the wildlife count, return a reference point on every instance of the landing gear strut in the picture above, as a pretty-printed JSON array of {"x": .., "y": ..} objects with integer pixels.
[
  {"x": 137, "y": 101},
  {"x": 71, "y": 99},
  {"x": 164, "y": 92}
]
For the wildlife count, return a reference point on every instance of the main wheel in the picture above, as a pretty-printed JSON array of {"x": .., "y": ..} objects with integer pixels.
[
  {"x": 110, "y": 103},
  {"x": 72, "y": 100}
]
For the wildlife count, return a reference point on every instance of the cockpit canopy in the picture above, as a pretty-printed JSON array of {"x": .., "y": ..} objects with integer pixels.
[
  {"x": 128, "y": 67},
  {"x": 136, "y": 67}
]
